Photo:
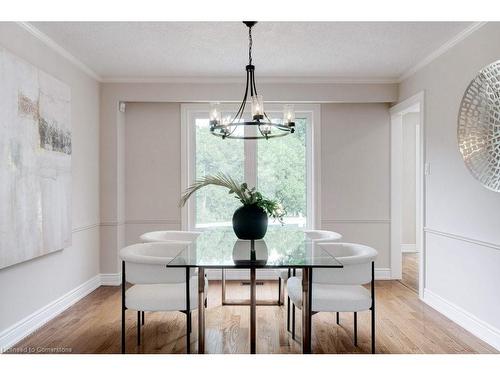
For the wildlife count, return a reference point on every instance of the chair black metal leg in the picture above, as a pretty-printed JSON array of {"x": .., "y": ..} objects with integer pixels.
[
  {"x": 293, "y": 311},
  {"x": 288, "y": 307},
  {"x": 288, "y": 314},
  {"x": 123, "y": 331},
  {"x": 355, "y": 328},
  {"x": 338, "y": 317},
  {"x": 142, "y": 319},
  {"x": 373, "y": 307},
  {"x": 123, "y": 308},
  {"x": 373, "y": 331},
  {"x": 138, "y": 328},
  {"x": 279, "y": 291},
  {"x": 206, "y": 297},
  {"x": 190, "y": 322},
  {"x": 188, "y": 312}
]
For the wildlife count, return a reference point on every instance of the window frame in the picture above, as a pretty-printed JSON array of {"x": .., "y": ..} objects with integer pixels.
[{"x": 312, "y": 112}]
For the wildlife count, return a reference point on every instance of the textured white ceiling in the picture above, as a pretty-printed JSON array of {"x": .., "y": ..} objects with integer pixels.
[{"x": 281, "y": 49}]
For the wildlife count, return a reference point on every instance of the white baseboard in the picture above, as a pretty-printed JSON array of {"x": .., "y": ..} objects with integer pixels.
[
  {"x": 466, "y": 320},
  {"x": 32, "y": 322},
  {"x": 408, "y": 248},
  {"x": 111, "y": 279},
  {"x": 383, "y": 274}
]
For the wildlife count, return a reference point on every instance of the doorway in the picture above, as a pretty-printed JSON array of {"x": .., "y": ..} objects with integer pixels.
[{"x": 407, "y": 193}]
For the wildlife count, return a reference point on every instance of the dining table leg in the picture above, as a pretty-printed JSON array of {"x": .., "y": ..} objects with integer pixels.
[
  {"x": 223, "y": 286},
  {"x": 253, "y": 311},
  {"x": 201, "y": 310},
  {"x": 188, "y": 312},
  {"x": 306, "y": 310}
]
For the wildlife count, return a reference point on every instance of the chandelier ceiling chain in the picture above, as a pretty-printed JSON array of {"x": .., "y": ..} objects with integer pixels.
[
  {"x": 250, "y": 45},
  {"x": 261, "y": 126}
]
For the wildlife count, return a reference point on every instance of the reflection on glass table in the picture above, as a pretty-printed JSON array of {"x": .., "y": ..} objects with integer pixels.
[{"x": 280, "y": 248}]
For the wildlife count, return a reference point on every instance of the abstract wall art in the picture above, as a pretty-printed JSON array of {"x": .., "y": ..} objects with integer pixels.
[
  {"x": 479, "y": 127},
  {"x": 35, "y": 162}
]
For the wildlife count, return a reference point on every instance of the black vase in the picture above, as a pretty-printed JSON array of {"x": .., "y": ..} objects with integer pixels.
[{"x": 250, "y": 222}]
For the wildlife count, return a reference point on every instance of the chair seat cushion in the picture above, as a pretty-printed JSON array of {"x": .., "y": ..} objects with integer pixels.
[
  {"x": 283, "y": 273},
  {"x": 329, "y": 297},
  {"x": 162, "y": 297}
]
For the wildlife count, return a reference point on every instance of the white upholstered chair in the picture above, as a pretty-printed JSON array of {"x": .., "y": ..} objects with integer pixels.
[
  {"x": 341, "y": 289},
  {"x": 156, "y": 287},
  {"x": 283, "y": 274},
  {"x": 169, "y": 235}
]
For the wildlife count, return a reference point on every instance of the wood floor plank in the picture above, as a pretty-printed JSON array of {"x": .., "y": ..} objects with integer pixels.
[
  {"x": 404, "y": 325},
  {"x": 410, "y": 270}
]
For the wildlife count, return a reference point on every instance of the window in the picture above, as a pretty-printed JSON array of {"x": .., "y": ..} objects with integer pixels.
[
  {"x": 281, "y": 168},
  {"x": 213, "y": 155}
]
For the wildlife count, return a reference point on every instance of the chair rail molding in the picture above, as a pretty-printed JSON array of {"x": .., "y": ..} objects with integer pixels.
[
  {"x": 461, "y": 238},
  {"x": 356, "y": 221},
  {"x": 153, "y": 221},
  {"x": 82, "y": 228}
]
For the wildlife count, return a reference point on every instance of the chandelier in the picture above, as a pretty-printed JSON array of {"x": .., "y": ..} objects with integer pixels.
[{"x": 261, "y": 126}]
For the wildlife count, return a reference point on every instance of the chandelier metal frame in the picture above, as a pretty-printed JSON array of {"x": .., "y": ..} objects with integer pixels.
[{"x": 260, "y": 120}]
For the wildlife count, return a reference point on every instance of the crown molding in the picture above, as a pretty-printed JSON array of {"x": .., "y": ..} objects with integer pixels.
[
  {"x": 261, "y": 80},
  {"x": 49, "y": 42},
  {"x": 441, "y": 50}
]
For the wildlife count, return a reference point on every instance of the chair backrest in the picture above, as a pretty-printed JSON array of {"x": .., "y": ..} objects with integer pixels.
[
  {"x": 169, "y": 235},
  {"x": 322, "y": 235},
  {"x": 145, "y": 263},
  {"x": 357, "y": 261}
]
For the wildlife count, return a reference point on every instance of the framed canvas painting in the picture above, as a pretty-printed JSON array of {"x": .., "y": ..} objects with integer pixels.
[{"x": 35, "y": 162}]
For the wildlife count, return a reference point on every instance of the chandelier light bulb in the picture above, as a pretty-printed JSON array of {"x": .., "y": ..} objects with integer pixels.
[
  {"x": 257, "y": 107},
  {"x": 289, "y": 114},
  {"x": 215, "y": 113}
]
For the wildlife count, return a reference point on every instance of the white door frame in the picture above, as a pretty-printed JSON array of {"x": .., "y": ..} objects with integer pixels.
[{"x": 397, "y": 112}]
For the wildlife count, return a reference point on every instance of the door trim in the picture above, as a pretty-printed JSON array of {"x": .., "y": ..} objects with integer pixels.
[{"x": 397, "y": 112}]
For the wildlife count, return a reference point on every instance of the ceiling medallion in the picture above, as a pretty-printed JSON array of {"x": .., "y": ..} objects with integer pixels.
[
  {"x": 479, "y": 127},
  {"x": 261, "y": 126}
]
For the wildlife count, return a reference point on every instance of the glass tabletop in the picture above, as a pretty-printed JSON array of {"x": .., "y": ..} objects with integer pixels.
[{"x": 280, "y": 248}]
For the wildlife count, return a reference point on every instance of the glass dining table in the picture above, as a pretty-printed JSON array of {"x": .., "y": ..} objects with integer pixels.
[{"x": 281, "y": 248}]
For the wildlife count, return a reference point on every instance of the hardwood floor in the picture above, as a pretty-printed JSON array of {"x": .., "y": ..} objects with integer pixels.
[
  {"x": 404, "y": 325},
  {"x": 410, "y": 270}
]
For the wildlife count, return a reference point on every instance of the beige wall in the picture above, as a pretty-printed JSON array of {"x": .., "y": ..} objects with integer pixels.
[
  {"x": 408, "y": 180},
  {"x": 462, "y": 217},
  {"x": 152, "y": 168},
  {"x": 28, "y": 286},
  {"x": 355, "y": 179}
]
